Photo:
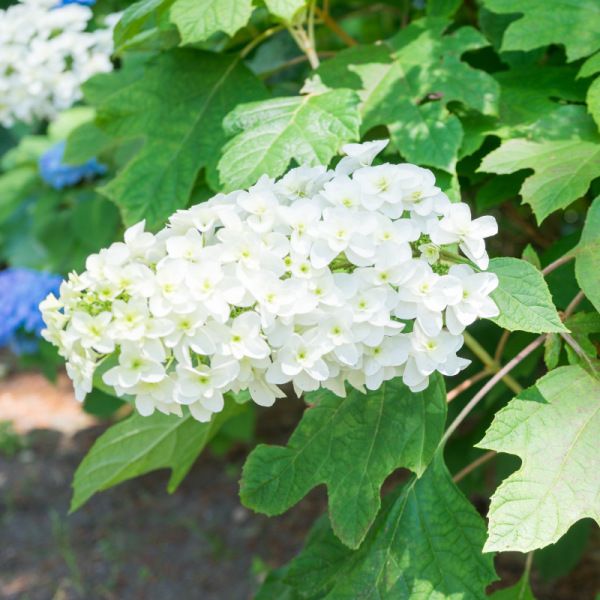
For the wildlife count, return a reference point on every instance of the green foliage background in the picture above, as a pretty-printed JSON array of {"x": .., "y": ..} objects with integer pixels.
[{"x": 501, "y": 99}]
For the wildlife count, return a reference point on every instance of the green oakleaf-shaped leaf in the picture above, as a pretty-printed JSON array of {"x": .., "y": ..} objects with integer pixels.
[
  {"x": 406, "y": 83},
  {"x": 84, "y": 143},
  {"x": 310, "y": 129},
  {"x": 351, "y": 444},
  {"x": 576, "y": 24},
  {"x": 178, "y": 107},
  {"x": 521, "y": 591},
  {"x": 587, "y": 264},
  {"x": 593, "y": 100},
  {"x": 554, "y": 427},
  {"x": 442, "y": 8},
  {"x": 523, "y": 298},
  {"x": 426, "y": 543},
  {"x": 139, "y": 445},
  {"x": 197, "y": 20},
  {"x": 563, "y": 170}
]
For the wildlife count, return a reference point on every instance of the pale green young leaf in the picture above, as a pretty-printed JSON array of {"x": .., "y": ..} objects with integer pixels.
[
  {"x": 14, "y": 187},
  {"x": 563, "y": 170},
  {"x": 285, "y": 9},
  {"x": 552, "y": 348},
  {"x": 388, "y": 428},
  {"x": 138, "y": 445},
  {"x": 418, "y": 64},
  {"x": 587, "y": 264},
  {"x": 523, "y": 298},
  {"x": 576, "y": 24},
  {"x": 554, "y": 427},
  {"x": 531, "y": 256},
  {"x": 309, "y": 129},
  {"x": 197, "y": 20},
  {"x": 590, "y": 66},
  {"x": 178, "y": 107},
  {"x": 520, "y": 591},
  {"x": 425, "y": 543}
]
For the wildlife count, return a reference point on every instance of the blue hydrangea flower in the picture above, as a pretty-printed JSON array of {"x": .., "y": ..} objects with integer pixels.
[
  {"x": 21, "y": 291},
  {"x": 59, "y": 175},
  {"x": 84, "y": 2}
]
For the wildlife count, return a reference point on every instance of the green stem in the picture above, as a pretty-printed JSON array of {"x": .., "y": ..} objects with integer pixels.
[
  {"x": 481, "y": 353},
  {"x": 259, "y": 39}
]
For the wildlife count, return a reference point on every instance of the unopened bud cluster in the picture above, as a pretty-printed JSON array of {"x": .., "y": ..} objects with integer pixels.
[{"x": 305, "y": 280}]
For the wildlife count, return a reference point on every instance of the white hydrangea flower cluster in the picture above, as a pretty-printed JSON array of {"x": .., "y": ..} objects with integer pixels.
[
  {"x": 303, "y": 280},
  {"x": 45, "y": 55}
]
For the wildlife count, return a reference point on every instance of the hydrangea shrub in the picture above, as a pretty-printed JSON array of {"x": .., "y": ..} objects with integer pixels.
[{"x": 311, "y": 196}]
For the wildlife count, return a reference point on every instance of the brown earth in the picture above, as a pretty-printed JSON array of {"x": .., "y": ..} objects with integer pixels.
[{"x": 137, "y": 542}]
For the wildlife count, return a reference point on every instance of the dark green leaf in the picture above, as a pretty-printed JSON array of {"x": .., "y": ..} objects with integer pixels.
[
  {"x": 396, "y": 80},
  {"x": 554, "y": 427},
  {"x": 523, "y": 298},
  {"x": 425, "y": 543},
  {"x": 352, "y": 444},
  {"x": 101, "y": 404},
  {"x": 556, "y": 560},
  {"x": 498, "y": 189},
  {"x": 84, "y": 143},
  {"x": 521, "y": 591},
  {"x": 178, "y": 106},
  {"x": 442, "y": 8},
  {"x": 576, "y": 24},
  {"x": 310, "y": 129},
  {"x": 139, "y": 445}
]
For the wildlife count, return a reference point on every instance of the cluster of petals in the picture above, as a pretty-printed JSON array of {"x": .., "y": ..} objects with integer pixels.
[
  {"x": 310, "y": 280},
  {"x": 45, "y": 56}
]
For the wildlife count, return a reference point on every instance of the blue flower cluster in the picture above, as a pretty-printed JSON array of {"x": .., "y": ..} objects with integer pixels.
[
  {"x": 21, "y": 291},
  {"x": 59, "y": 175},
  {"x": 84, "y": 2}
]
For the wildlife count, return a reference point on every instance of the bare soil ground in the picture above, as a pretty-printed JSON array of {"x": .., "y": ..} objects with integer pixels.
[{"x": 137, "y": 542}]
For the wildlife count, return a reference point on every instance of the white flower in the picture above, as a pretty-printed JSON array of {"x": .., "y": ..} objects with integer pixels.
[
  {"x": 430, "y": 253},
  {"x": 474, "y": 301},
  {"x": 359, "y": 155},
  {"x": 134, "y": 366},
  {"x": 93, "y": 332},
  {"x": 299, "y": 281},
  {"x": 457, "y": 227}
]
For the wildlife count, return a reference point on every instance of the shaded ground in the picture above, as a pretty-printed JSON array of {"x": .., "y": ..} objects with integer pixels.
[{"x": 136, "y": 542}]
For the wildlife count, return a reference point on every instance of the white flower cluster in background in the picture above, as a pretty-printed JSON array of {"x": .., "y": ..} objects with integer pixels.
[
  {"x": 303, "y": 280},
  {"x": 45, "y": 55}
]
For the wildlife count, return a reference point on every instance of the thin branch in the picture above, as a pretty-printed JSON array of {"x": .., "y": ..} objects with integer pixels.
[
  {"x": 556, "y": 264},
  {"x": 501, "y": 344},
  {"x": 311, "y": 23},
  {"x": 481, "y": 353},
  {"x": 331, "y": 24},
  {"x": 373, "y": 9},
  {"x": 527, "y": 227},
  {"x": 467, "y": 383},
  {"x": 490, "y": 384},
  {"x": 260, "y": 38},
  {"x": 574, "y": 304},
  {"x": 476, "y": 463},
  {"x": 297, "y": 60}
]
